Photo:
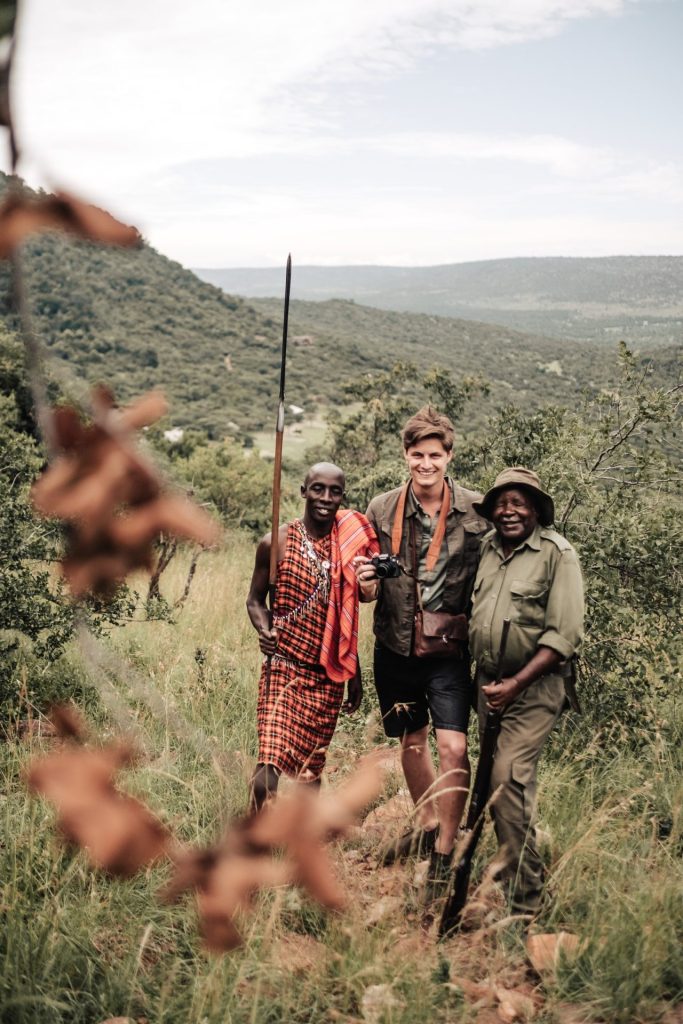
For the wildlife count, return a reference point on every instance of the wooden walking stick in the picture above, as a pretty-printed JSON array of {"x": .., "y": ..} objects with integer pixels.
[
  {"x": 460, "y": 880},
  {"x": 277, "y": 466}
]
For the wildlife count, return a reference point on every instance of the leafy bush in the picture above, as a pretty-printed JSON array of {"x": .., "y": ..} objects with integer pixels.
[
  {"x": 237, "y": 484},
  {"x": 36, "y": 617}
]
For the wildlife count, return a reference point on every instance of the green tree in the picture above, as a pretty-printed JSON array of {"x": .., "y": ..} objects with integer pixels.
[
  {"x": 235, "y": 482},
  {"x": 36, "y": 616}
]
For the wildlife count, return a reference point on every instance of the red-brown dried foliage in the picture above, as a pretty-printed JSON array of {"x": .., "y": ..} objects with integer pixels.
[
  {"x": 300, "y": 824},
  {"x": 22, "y": 214},
  {"x": 118, "y": 833},
  {"x": 112, "y": 499}
]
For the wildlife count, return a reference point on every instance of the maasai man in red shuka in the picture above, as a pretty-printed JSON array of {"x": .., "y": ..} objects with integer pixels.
[{"x": 313, "y": 643}]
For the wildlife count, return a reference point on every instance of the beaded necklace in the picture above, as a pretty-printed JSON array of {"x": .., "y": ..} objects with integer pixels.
[{"x": 321, "y": 567}]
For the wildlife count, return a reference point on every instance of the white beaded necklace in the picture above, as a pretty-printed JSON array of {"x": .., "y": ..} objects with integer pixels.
[{"x": 321, "y": 566}]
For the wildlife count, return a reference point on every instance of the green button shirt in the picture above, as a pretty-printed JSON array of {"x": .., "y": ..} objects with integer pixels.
[
  {"x": 432, "y": 584},
  {"x": 539, "y": 588}
]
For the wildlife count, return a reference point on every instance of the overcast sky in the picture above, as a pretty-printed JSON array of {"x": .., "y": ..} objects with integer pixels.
[{"x": 362, "y": 131}]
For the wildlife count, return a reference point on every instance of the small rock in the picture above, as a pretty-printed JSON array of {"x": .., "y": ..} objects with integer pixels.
[
  {"x": 420, "y": 873},
  {"x": 515, "y": 1005},
  {"x": 382, "y": 909},
  {"x": 544, "y": 951},
  {"x": 377, "y": 999}
]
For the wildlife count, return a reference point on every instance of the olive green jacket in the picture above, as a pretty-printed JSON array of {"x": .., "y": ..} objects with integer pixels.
[
  {"x": 395, "y": 608},
  {"x": 539, "y": 588}
]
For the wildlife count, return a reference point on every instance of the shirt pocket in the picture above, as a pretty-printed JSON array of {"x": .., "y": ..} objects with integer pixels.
[
  {"x": 529, "y": 598},
  {"x": 476, "y": 589},
  {"x": 473, "y": 531}
]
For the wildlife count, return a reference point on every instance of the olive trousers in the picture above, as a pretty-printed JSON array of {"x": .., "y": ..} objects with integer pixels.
[{"x": 525, "y": 725}]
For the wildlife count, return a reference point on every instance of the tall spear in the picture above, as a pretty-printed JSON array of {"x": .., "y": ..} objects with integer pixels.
[{"x": 277, "y": 467}]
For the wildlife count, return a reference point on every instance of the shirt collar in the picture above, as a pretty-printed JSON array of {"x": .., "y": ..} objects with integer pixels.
[
  {"x": 413, "y": 506},
  {"x": 533, "y": 541}
]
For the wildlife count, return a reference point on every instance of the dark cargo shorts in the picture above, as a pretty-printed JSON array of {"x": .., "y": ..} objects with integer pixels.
[{"x": 412, "y": 690}]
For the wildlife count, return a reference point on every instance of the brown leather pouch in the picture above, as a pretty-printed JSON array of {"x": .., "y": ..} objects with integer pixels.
[{"x": 439, "y": 635}]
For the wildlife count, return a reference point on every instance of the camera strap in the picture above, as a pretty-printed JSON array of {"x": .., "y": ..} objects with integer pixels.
[{"x": 439, "y": 532}]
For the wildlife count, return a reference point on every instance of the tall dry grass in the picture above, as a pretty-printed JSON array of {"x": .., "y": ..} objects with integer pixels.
[{"x": 78, "y": 947}]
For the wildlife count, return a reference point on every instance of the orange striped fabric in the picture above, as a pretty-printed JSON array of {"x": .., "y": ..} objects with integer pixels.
[{"x": 352, "y": 535}]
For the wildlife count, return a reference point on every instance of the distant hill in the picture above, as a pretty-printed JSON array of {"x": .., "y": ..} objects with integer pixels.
[
  {"x": 638, "y": 298},
  {"x": 522, "y": 368},
  {"x": 138, "y": 320}
]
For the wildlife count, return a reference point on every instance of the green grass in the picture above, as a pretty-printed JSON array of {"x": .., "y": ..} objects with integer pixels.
[{"x": 80, "y": 948}]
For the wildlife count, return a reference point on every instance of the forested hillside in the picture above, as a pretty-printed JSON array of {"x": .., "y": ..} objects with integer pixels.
[
  {"x": 637, "y": 298},
  {"x": 144, "y": 321},
  {"x": 521, "y": 367}
]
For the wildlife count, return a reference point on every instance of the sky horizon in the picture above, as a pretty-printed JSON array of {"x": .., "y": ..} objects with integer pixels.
[{"x": 401, "y": 132}]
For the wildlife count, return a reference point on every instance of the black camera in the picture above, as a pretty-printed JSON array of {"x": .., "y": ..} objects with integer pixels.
[{"x": 387, "y": 567}]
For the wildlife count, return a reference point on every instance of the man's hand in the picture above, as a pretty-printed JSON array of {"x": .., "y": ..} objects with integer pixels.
[
  {"x": 354, "y": 694},
  {"x": 499, "y": 695},
  {"x": 364, "y": 569},
  {"x": 267, "y": 641},
  {"x": 368, "y": 584}
]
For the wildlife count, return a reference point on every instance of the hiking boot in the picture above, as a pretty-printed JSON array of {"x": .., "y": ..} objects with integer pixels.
[
  {"x": 438, "y": 875},
  {"x": 416, "y": 842}
]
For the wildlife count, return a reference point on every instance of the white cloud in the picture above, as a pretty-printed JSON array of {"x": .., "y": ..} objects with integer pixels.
[
  {"x": 131, "y": 102},
  {"x": 560, "y": 155},
  {"x": 107, "y": 87}
]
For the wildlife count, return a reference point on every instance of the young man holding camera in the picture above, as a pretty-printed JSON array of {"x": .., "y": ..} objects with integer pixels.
[{"x": 422, "y": 665}]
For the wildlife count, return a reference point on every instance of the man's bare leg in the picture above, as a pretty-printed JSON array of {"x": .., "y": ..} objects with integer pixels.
[
  {"x": 264, "y": 783},
  {"x": 416, "y": 761},
  {"x": 452, "y": 785}
]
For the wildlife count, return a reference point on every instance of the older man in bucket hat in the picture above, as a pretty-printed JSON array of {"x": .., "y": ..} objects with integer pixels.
[{"x": 530, "y": 574}]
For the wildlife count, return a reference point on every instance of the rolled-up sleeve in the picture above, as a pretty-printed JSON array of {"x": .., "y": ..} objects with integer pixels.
[{"x": 565, "y": 608}]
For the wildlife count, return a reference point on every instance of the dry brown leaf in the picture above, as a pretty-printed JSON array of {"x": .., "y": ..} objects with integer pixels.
[
  {"x": 482, "y": 993},
  {"x": 544, "y": 951},
  {"x": 390, "y": 817},
  {"x": 68, "y": 722},
  {"x": 119, "y": 834},
  {"x": 226, "y": 876},
  {"x": 487, "y": 1015},
  {"x": 113, "y": 501},
  {"x": 169, "y": 513},
  {"x": 22, "y": 214},
  {"x": 515, "y": 1005},
  {"x": 228, "y": 889},
  {"x": 673, "y": 1015},
  {"x": 303, "y": 821}
]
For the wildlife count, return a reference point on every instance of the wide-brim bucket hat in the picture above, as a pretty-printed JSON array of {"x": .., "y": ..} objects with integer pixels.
[{"x": 518, "y": 476}]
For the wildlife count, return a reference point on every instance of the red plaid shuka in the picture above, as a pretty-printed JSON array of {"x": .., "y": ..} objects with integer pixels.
[
  {"x": 352, "y": 535},
  {"x": 297, "y": 719}
]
